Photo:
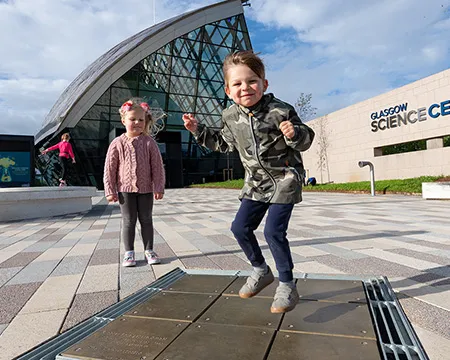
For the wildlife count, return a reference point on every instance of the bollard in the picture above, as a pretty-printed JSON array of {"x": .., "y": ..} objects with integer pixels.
[{"x": 372, "y": 175}]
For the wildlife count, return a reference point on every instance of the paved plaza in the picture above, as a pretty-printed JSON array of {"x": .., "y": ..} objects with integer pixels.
[{"x": 56, "y": 272}]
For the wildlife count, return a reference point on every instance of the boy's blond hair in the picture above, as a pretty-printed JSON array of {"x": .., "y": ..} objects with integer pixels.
[{"x": 244, "y": 57}]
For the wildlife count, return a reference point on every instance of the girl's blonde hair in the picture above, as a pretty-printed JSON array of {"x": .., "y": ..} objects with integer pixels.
[
  {"x": 245, "y": 57},
  {"x": 65, "y": 136},
  {"x": 138, "y": 103}
]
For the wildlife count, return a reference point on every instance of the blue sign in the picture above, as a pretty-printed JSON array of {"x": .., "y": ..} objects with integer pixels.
[{"x": 15, "y": 168}]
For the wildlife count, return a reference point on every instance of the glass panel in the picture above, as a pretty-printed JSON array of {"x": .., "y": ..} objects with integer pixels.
[
  {"x": 186, "y": 48},
  {"x": 157, "y": 99},
  {"x": 184, "y": 67},
  {"x": 216, "y": 54},
  {"x": 90, "y": 148},
  {"x": 174, "y": 118},
  {"x": 193, "y": 35},
  {"x": 119, "y": 96},
  {"x": 98, "y": 112},
  {"x": 165, "y": 50},
  {"x": 211, "y": 88},
  {"x": 128, "y": 80},
  {"x": 90, "y": 129},
  {"x": 153, "y": 82},
  {"x": 208, "y": 106},
  {"x": 179, "y": 85},
  {"x": 104, "y": 99},
  {"x": 211, "y": 71},
  {"x": 182, "y": 103}
]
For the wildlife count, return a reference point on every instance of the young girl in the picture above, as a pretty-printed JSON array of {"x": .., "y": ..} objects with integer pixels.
[
  {"x": 65, "y": 152},
  {"x": 134, "y": 174},
  {"x": 269, "y": 137}
]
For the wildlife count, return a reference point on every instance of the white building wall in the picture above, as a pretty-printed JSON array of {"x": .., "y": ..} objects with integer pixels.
[{"x": 350, "y": 137}]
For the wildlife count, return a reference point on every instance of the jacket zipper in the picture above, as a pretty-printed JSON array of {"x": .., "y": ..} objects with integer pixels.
[{"x": 251, "y": 117}]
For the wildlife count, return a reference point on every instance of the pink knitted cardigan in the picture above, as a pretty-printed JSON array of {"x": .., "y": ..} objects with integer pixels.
[{"x": 133, "y": 165}]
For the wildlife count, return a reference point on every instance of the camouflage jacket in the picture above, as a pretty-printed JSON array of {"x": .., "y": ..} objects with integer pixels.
[{"x": 273, "y": 163}]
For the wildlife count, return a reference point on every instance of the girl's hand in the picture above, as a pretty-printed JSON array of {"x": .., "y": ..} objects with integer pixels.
[
  {"x": 73, "y": 161},
  {"x": 287, "y": 129},
  {"x": 190, "y": 122},
  {"x": 43, "y": 152},
  {"x": 158, "y": 196},
  {"x": 112, "y": 198}
]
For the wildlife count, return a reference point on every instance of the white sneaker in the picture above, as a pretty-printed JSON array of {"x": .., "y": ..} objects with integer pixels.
[
  {"x": 128, "y": 259},
  {"x": 152, "y": 257}
]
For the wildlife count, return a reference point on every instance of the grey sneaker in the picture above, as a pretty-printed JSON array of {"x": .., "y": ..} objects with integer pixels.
[
  {"x": 286, "y": 298},
  {"x": 255, "y": 283}
]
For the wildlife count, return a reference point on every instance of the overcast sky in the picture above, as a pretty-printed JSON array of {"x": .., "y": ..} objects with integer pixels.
[{"x": 341, "y": 51}]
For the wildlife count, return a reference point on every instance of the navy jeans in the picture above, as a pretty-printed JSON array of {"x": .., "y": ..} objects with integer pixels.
[{"x": 248, "y": 218}]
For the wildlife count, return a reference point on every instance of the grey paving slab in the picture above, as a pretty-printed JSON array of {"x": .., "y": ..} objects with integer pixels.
[
  {"x": 343, "y": 253},
  {"x": 222, "y": 240},
  {"x": 104, "y": 256},
  {"x": 87, "y": 305},
  {"x": 7, "y": 273},
  {"x": 227, "y": 262},
  {"x": 13, "y": 298},
  {"x": 132, "y": 281},
  {"x": 20, "y": 259},
  {"x": 428, "y": 316},
  {"x": 198, "y": 262},
  {"x": 108, "y": 244},
  {"x": 164, "y": 251},
  {"x": 52, "y": 237},
  {"x": 422, "y": 256},
  {"x": 34, "y": 272},
  {"x": 71, "y": 265},
  {"x": 39, "y": 246},
  {"x": 110, "y": 235},
  {"x": 3, "y": 327},
  {"x": 369, "y": 266}
]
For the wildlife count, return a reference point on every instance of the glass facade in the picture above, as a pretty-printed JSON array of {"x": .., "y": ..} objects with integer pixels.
[{"x": 184, "y": 75}]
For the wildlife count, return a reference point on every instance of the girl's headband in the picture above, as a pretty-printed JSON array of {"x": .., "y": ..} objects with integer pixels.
[{"x": 128, "y": 105}]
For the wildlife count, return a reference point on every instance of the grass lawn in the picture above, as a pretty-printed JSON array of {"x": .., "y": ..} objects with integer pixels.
[{"x": 404, "y": 186}]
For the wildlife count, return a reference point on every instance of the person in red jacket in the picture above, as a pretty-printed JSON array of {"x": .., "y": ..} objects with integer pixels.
[{"x": 65, "y": 153}]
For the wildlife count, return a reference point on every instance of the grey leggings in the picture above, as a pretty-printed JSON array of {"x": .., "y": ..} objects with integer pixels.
[{"x": 132, "y": 207}]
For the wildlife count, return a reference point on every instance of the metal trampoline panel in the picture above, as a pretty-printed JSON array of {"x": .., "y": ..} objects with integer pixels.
[
  {"x": 291, "y": 346},
  {"x": 127, "y": 338},
  {"x": 331, "y": 290},
  {"x": 214, "y": 341},
  {"x": 234, "y": 288},
  {"x": 233, "y": 310},
  {"x": 174, "y": 306},
  {"x": 330, "y": 318},
  {"x": 207, "y": 284}
]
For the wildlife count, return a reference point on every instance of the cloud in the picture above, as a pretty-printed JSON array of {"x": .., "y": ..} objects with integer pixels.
[
  {"x": 347, "y": 51},
  {"x": 46, "y": 44}
]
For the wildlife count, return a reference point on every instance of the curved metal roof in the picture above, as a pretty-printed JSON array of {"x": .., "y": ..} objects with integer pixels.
[{"x": 90, "y": 84}]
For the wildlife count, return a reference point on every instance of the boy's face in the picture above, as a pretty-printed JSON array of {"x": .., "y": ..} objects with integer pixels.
[
  {"x": 244, "y": 87},
  {"x": 134, "y": 121}
]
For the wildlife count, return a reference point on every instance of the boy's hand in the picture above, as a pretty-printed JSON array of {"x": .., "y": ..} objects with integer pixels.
[
  {"x": 159, "y": 196},
  {"x": 112, "y": 198},
  {"x": 287, "y": 129},
  {"x": 190, "y": 122}
]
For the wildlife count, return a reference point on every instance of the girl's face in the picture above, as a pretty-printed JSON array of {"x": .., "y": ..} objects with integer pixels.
[
  {"x": 244, "y": 87},
  {"x": 134, "y": 121}
]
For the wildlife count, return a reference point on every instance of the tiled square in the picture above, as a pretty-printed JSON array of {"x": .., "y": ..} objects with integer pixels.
[{"x": 13, "y": 298}]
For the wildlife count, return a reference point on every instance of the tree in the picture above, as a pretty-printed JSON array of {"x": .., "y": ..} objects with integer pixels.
[
  {"x": 304, "y": 108},
  {"x": 323, "y": 143}
]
